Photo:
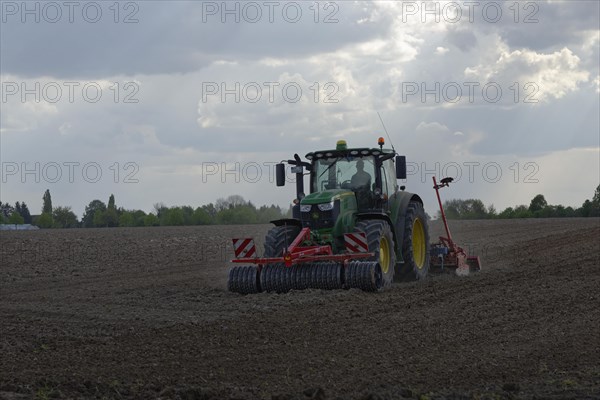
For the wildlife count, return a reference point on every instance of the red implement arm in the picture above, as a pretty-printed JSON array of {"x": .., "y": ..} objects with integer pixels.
[{"x": 455, "y": 256}]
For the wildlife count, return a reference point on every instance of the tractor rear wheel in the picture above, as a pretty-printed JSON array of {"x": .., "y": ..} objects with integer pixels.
[
  {"x": 279, "y": 238},
  {"x": 415, "y": 245},
  {"x": 381, "y": 242}
]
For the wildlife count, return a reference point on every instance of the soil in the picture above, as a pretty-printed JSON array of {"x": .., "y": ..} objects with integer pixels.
[{"x": 144, "y": 313}]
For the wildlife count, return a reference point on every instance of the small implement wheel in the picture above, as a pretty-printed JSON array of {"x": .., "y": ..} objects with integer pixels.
[
  {"x": 364, "y": 275},
  {"x": 243, "y": 279}
]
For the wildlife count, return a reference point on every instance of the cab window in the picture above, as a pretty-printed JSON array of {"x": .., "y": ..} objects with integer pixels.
[
  {"x": 388, "y": 178},
  {"x": 343, "y": 173}
]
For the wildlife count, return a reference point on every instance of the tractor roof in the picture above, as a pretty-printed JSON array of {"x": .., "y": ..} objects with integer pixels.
[{"x": 357, "y": 152}]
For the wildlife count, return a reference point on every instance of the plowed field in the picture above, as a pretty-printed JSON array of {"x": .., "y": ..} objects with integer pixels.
[{"x": 144, "y": 313}]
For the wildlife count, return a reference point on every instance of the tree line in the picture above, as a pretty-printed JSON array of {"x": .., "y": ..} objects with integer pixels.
[
  {"x": 538, "y": 208},
  {"x": 231, "y": 210},
  {"x": 235, "y": 210}
]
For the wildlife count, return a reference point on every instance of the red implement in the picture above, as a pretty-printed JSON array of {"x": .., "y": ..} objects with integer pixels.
[
  {"x": 299, "y": 251},
  {"x": 446, "y": 253}
]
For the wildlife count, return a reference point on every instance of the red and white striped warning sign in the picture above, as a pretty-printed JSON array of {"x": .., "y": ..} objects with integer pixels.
[
  {"x": 244, "y": 248},
  {"x": 356, "y": 242}
]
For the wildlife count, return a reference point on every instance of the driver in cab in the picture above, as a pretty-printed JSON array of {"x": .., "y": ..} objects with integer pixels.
[{"x": 361, "y": 178}]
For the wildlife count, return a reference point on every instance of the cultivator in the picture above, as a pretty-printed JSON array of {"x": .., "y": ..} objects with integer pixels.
[{"x": 305, "y": 265}]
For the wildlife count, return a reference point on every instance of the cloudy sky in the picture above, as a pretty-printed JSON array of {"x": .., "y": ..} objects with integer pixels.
[{"x": 185, "y": 102}]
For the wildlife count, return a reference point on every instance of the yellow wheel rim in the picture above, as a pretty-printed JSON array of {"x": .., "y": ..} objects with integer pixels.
[
  {"x": 418, "y": 243},
  {"x": 384, "y": 254}
]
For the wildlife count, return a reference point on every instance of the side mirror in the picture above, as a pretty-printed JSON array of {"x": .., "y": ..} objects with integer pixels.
[
  {"x": 400, "y": 167},
  {"x": 280, "y": 174}
]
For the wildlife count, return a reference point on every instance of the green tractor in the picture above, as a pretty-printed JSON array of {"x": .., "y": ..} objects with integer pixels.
[{"x": 356, "y": 228}]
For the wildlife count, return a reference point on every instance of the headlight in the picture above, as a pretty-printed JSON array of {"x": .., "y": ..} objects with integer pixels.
[
  {"x": 305, "y": 207},
  {"x": 326, "y": 206}
]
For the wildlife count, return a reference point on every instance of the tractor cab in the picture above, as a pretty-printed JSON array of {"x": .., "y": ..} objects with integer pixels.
[{"x": 370, "y": 174}]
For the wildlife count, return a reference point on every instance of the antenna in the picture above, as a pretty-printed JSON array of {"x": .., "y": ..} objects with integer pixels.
[{"x": 386, "y": 132}]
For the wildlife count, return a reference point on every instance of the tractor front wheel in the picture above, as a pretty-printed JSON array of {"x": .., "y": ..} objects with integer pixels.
[
  {"x": 279, "y": 238},
  {"x": 381, "y": 242}
]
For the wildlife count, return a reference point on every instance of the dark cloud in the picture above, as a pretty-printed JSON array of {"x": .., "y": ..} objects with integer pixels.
[
  {"x": 170, "y": 37},
  {"x": 545, "y": 26}
]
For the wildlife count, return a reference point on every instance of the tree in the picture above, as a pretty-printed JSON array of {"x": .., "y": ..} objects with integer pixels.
[
  {"x": 159, "y": 209},
  {"x": 237, "y": 215},
  {"x": 45, "y": 221},
  {"x": 464, "y": 209},
  {"x": 570, "y": 212},
  {"x": 172, "y": 217},
  {"x": 522, "y": 212},
  {"x": 595, "y": 211},
  {"x": 560, "y": 211},
  {"x": 586, "y": 209},
  {"x": 99, "y": 219},
  {"x": 90, "y": 212},
  {"x": 492, "y": 213},
  {"x": 221, "y": 204},
  {"x": 131, "y": 217},
  {"x": 151, "y": 220},
  {"x": 201, "y": 217},
  {"x": 475, "y": 209},
  {"x": 546, "y": 212},
  {"x": 211, "y": 210},
  {"x": 451, "y": 209},
  {"x": 507, "y": 213},
  {"x": 126, "y": 219},
  {"x": 266, "y": 214},
  {"x": 138, "y": 218},
  {"x": 47, "y": 208},
  {"x": 188, "y": 212},
  {"x": 538, "y": 203},
  {"x": 25, "y": 213},
  {"x": 236, "y": 200},
  {"x": 16, "y": 219},
  {"x": 6, "y": 210},
  {"x": 111, "y": 218},
  {"x": 64, "y": 217}
]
